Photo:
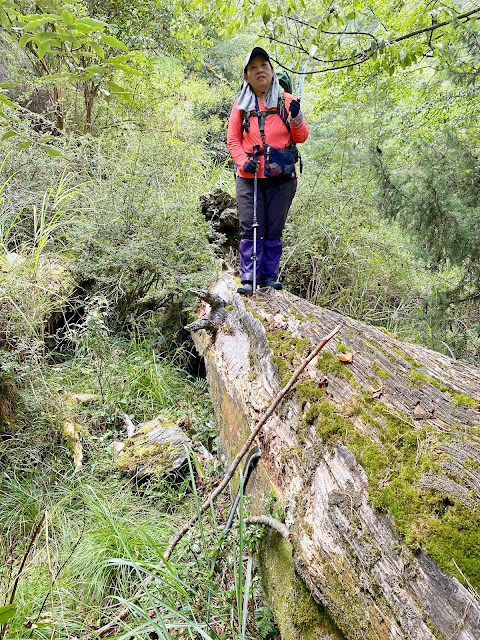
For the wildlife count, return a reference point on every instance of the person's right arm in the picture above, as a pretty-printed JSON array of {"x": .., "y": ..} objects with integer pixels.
[{"x": 234, "y": 137}]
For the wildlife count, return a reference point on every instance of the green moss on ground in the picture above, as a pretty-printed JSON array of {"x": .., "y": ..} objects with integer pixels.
[
  {"x": 154, "y": 458},
  {"x": 342, "y": 348}
]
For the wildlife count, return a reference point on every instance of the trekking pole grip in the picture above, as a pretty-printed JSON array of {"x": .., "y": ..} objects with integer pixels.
[{"x": 256, "y": 149}]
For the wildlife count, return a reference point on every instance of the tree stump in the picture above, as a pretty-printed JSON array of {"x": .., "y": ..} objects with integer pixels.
[{"x": 374, "y": 459}]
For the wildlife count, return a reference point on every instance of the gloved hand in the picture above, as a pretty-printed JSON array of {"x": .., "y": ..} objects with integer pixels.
[
  {"x": 250, "y": 166},
  {"x": 294, "y": 108}
]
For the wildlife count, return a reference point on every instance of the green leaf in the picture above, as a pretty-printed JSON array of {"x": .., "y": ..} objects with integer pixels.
[
  {"x": 126, "y": 68},
  {"x": 120, "y": 92},
  {"x": 100, "y": 51},
  {"x": 113, "y": 42},
  {"x": 25, "y": 39},
  {"x": 52, "y": 152},
  {"x": 7, "y": 85},
  {"x": 8, "y": 135},
  {"x": 91, "y": 23},
  {"x": 24, "y": 145},
  {"x": 122, "y": 58},
  {"x": 8, "y": 102},
  {"x": 67, "y": 17},
  {"x": 43, "y": 47},
  {"x": 6, "y": 613},
  {"x": 46, "y": 36},
  {"x": 35, "y": 25}
]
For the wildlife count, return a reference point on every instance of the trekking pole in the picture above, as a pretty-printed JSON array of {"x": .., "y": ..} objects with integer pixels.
[
  {"x": 311, "y": 53},
  {"x": 256, "y": 149}
]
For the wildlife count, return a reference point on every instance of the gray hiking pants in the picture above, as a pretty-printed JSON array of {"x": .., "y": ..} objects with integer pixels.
[{"x": 274, "y": 198}]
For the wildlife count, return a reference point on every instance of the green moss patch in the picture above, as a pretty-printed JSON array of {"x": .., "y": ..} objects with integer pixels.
[
  {"x": 406, "y": 357},
  {"x": 379, "y": 370},
  {"x": 418, "y": 379},
  {"x": 329, "y": 422},
  {"x": 444, "y": 528},
  {"x": 328, "y": 363},
  {"x": 153, "y": 458},
  {"x": 394, "y": 462},
  {"x": 461, "y": 399},
  {"x": 286, "y": 350},
  {"x": 309, "y": 391},
  {"x": 298, "y": 616}
]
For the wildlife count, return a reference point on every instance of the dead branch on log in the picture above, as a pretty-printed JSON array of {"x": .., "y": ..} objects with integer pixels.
[
  {"x": 217, "y": 314},
  {"x": 273, "y": 523},
  {"x": 228, "y": 476}
]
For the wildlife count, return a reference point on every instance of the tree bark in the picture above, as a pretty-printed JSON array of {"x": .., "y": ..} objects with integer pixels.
[{"x": 375, "y": 463}]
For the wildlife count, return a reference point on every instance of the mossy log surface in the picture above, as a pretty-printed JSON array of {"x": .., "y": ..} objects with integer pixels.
[{"x": 375, "y": 463}]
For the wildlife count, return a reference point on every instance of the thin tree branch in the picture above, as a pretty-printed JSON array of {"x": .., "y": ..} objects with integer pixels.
[
  {"x": 246, "y": 447},
  {"x": 362, "y": 57},
  {"x": 273, "y": 523}
]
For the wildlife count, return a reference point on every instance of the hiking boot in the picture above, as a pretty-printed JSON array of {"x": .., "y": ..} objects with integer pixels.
[
  {"x": 246, "y": 289},
  {"x": 274, "y": 284}
]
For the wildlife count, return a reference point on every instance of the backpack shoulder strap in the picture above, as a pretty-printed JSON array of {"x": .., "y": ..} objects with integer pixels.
[{"x": 281, "y": 111}]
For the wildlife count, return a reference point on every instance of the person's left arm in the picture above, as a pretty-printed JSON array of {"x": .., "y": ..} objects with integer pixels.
[{"x": 298, "y": 127}]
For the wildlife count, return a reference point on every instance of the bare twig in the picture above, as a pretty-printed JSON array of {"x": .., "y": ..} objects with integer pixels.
[
  {"x": 273, "y": 523},
  {"x": 246, "y": 447}
]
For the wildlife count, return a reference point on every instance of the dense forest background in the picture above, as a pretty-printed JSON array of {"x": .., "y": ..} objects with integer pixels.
[{"x": 112, "y": 122}]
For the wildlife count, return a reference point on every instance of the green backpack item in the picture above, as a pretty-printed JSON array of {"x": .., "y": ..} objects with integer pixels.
[{"x": 284, "y": 80}]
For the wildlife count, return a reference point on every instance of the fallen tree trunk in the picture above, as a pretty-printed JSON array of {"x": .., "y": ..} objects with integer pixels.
[{"x": 373, "y": 461}]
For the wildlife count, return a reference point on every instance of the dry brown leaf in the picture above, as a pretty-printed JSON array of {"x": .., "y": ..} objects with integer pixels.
[{"x": 345, "y": 357}]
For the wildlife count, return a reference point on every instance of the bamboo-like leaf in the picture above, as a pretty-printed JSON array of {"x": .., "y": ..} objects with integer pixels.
[
  {"x": 8, "y": 135},
  {"x": 246, "y": 594},
  {"x": 8, "y": 102}
]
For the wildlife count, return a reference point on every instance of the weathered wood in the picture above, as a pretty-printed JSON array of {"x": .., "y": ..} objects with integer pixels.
[{"x": 395, "y": 399}]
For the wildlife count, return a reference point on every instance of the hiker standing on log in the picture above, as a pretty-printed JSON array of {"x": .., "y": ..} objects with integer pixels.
[{"x": 265, "y": 123}]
